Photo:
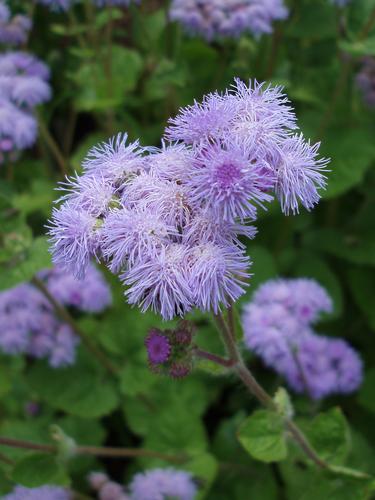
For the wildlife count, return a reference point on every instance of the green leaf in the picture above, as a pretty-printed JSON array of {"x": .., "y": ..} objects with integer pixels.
[
  {"x": 283, "y": 403},
  {"x": 263, "y": 436},
  {"x": 39, "y": 469},
  {"x": 96, "y": 90},
  {"x": 310, "y": 15},
  {"x": 75, "y": 390},
  {"x": 352, "y": 150},
  {"x": 329, "y": 435},
  {"x": 39, "y": 197},
  {"x": 35, "y": 258},
  {"x": 204, "y": 468}
]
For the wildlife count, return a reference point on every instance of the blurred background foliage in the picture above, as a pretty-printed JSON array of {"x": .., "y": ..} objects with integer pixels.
[{"x": 129, "y": 70}]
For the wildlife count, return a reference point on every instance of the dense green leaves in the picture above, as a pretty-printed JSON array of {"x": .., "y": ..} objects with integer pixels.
[{"x": 39, "y": 469}]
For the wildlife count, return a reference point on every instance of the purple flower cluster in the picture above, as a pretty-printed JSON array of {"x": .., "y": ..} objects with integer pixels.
[
  {"x": 158, "y": 484},
  {"x": 227, "y": 18},
  {"x": 366, "y": 80},
  {"x": 155, "y": 484},
  {"x": 28, "y": 324},
  {"x": 169, "y": 220},
  {"x": 23, "y": 85},
  {"x": 41, "y": 493},
  {"x": 13, "y": 30},
  {"x": 278, "y": 327}
]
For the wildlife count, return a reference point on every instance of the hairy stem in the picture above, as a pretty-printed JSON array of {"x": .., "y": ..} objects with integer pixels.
[
  {"x": 96, "y": 451},
  {"x": 227, "y": 363},
  {"x": 63, "y": 313},
  {"x": 262, "y": 396}
]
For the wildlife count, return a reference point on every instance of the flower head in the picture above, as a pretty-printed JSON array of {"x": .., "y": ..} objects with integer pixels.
[
  {"x": 41, "y": 493},
  {"x": 158, "y": 484},
  {"x": 158, "y": 347}
]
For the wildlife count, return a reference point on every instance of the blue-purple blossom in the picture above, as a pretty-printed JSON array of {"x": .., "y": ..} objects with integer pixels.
[
  {"x": 172, "y": 221},
  {"x": 218, "y": 275},
  {"x": 161, "y": 283},
  {"x": 278, "y": 327},
  {"x": 230, "y": 180},
  {"x": 75, "y": 236},
  {"x": 29, "y": 325},
  {"x": 41, "y": 493},
  {"x": 159, "y": 484},
  {"x": 13, "y": 30},
  {"x": 365, "y": 80},
  {"x": 23, "y": 85},
  {"x": 158, "y": 347},
  {"x": 212, "y": 19}
]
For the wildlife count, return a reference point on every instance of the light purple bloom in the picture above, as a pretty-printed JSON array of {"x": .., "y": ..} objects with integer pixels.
[
  {"x": 299, "y": 174},
  {"x": 171, "y": 161},
  {"x": 218, "y": 275},
  {"x": 158, "y": 347},
  {"x": 74, "y": 236},
  {"x": 131, "y": 235},
  {"x": 230, "y": 180},
  {"x": 18, "y": 127},
  {"x": 13, "y": 30},
  {"x": 29, "y": 325},
  {"x": 227, "y": 18},
  {"x": 115, "y": 160},
  {"x": 91, "y": 295},
  {"x": 158, "y": 484},
  {"x": 41, "y": 493},
  {"x": 278, "y": 327},
  {"x": 22, "y": 63},
  {"x": 209, "y": 119},
  {"x": 161, "y": 283}
]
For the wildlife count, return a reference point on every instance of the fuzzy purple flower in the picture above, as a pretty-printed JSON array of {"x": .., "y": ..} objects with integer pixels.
[
  {"x": 227, "y": 18},
  {"x": 116, "y": 160},
  {"x": 41, "y": 493},
  {"x": 22, "y": 63},
  {"x": 158, "y": 347},
  {"x": 28, "y": 324},
  {"x": 171, "y": 221},
  {"x": 218, "y": 275},
  {"x": 158, "y": 484},
  {"x": 13, "y": 30},
  {"x": 161, "y": 283},
  {"x": 277, "y": 327},
  {"x": 230, "y": 180},
  {"x": 129, "y": 235}
]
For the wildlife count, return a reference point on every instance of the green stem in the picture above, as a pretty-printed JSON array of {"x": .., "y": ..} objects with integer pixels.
[
  {"x": 199, "y": 353},
  {"x": 67, "y": 318},
  {"x": 257, "y": 390},
  {"x": 53, "y": 147}
]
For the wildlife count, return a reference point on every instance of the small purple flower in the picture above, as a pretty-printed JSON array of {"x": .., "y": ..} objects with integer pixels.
[
  {"x": 115, "y": 160},
  {"x": 97, "y": 479},
  {"x": 202, "y": 121},
  {"x": 217, "y": 275},
  {"x": 230, "y": 180},
  {"x": 299, "y": 174},
  {"x": 22, "y": 63},
  {"x": 130, "y": 235},
  {"x": 229, "y": 18},
  {"x": 74, "y": 236},
  {"x": 17, "y": 127},
  {"x": 170, "y": 162},
  {"x": 158, "y": 484},
  {"x": 277, "y": 327},
  {"x": 111, "y": 491},
  {"x": 41, "y": 493},
  {"x": 15, "y": 30},
  {"x": 158, "y": 347},
  {"x": 161, "y": 283}
]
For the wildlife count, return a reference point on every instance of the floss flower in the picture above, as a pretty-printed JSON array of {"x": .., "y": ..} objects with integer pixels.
[
  {"x": 227, "y": 18},
  {"x": 28, "y": 324},
  {"x": 278, "y": 327},
  {"x": 13, "y": 30},
  {"x": 23, "y": 85},
  {"x": 41, "y": 493},
  {"x": 171, "y": 222},
  {"x": 158, "y": 484}
]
